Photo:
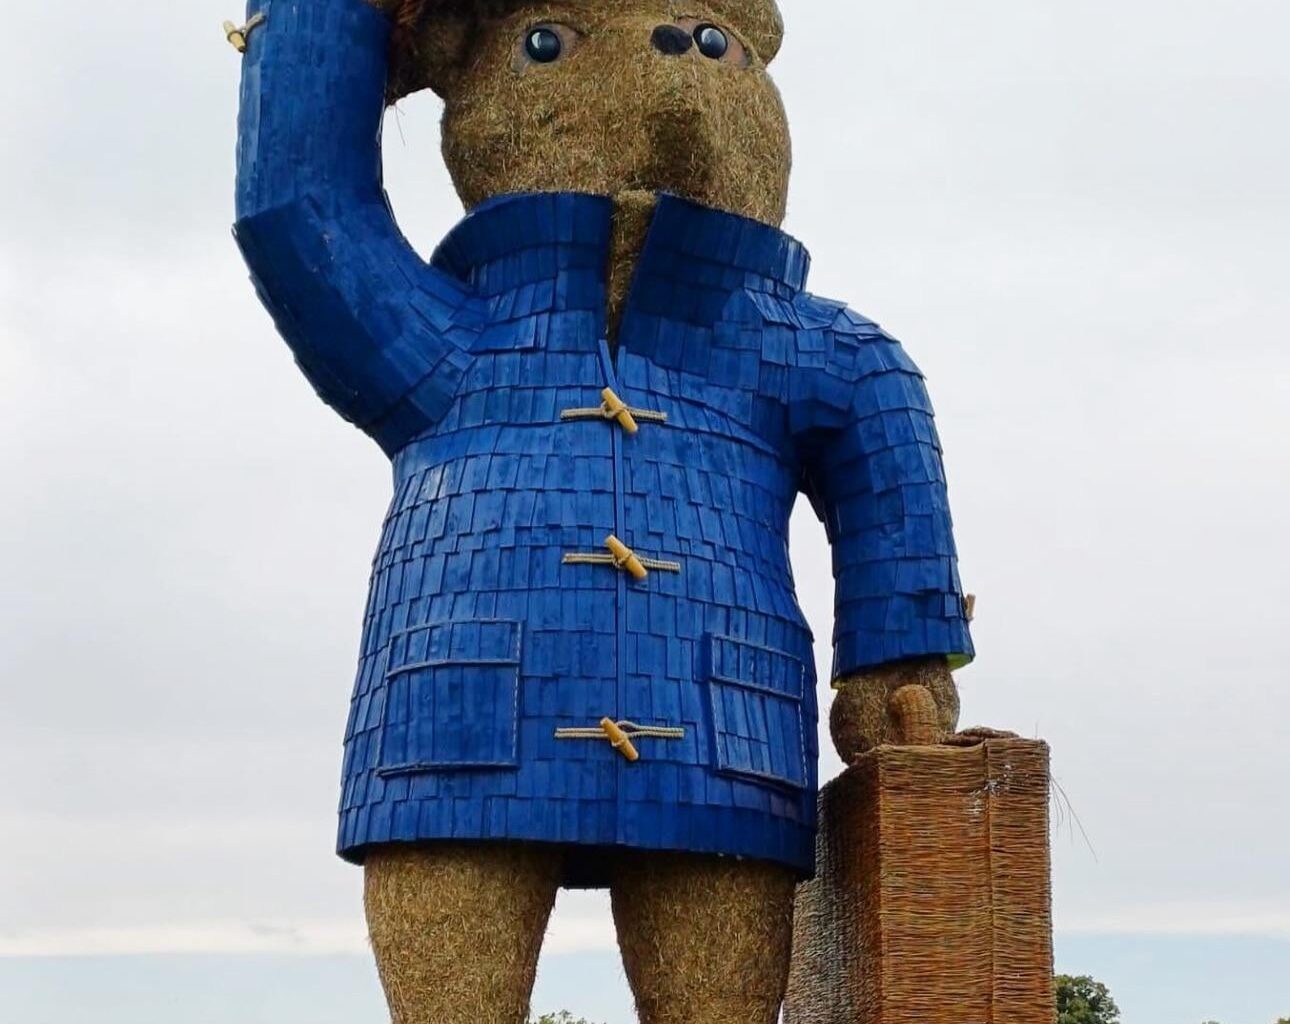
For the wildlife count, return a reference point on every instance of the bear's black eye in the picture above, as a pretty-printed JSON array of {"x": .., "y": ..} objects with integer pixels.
[
  {"x": 712, "y": 41},
  {"x": 543, "y": 45}
]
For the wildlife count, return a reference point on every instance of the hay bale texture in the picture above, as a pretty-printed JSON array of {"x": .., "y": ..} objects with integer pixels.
[
  {"x": 906, "y": 703},
  {"x": 611, "y": 118},
  {"x": 457, "y": 928},
  {"x": 704, "y": 940},
  {"x": 933, "y": 899}
]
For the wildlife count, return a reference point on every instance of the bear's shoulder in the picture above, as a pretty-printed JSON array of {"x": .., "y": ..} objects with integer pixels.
[{"x": 815, "y": 332}]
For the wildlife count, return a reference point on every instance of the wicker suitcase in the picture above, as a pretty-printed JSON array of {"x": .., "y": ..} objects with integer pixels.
[{"x": 932, "y": 903}]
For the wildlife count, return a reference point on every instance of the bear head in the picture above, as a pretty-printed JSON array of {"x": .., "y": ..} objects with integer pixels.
[{"x": 613, "y": 97}]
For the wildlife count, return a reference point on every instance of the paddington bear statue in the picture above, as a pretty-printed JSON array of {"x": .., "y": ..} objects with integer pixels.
[{"x": 583, "y": 663}]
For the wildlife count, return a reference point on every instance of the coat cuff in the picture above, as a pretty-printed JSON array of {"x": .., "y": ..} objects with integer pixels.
[{"x": 919, "y": 626}]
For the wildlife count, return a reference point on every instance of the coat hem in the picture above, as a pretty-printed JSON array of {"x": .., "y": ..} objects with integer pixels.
[{"x": 588, "y": 865}]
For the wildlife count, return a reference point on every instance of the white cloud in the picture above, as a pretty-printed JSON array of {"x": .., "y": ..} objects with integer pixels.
[{"x": 1211, "y": 919}]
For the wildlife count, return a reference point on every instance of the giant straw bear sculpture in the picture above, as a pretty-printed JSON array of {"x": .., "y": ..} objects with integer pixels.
[{"x": 583, "y": 663}]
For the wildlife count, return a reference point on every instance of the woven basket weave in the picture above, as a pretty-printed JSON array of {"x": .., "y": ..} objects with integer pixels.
[{"x": 932, "y": 903}]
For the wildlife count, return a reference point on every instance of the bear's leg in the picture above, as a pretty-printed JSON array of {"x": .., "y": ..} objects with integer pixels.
[
  {"x": 457, "y": 928},
  {"x": 705, "y": 940}
]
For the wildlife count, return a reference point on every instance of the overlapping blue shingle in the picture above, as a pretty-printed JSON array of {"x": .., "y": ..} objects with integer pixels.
[{"x": 488, "y": 658}]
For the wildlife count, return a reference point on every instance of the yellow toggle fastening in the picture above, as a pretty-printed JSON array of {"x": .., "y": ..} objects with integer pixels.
[
  {"x": 621, "y": 734},
  {"x": 625, "y": 558},
  {"x": 238, "y": 36},
  {"x": 619, "y": 739},
  {"x": 616, "y": 409}
]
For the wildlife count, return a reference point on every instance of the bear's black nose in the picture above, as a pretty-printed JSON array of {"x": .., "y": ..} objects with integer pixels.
[{"x": 671, "y": 40}]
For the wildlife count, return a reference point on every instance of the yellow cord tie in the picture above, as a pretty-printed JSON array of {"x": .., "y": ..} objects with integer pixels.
[
  {"x": 621, "y": 734},
  {"x": 622, "y": 557},
  {"x": 614, "y": 408},
  {"x": 238, "y": 36}
]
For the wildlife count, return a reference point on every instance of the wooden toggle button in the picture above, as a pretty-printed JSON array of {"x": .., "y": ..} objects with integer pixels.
[
  {"x": 237, "y": 37},
  {"x": 616, "y": 409},
  {"x": 619, "y": 739},
  {"x": 625, "y": 558}
]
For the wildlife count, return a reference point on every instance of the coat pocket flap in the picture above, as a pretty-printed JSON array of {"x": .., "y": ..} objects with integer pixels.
[
  {"x": 475, "y": 642},
  {"x": 756, "y": 698},
  {"x": 751, "y": 665},
  {"x": 452, "y": 698}
]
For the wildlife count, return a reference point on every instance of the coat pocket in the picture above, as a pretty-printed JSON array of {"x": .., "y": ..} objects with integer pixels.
[
  {"x": 756, "y": 704},
  {"x": 452, "y": 698}
]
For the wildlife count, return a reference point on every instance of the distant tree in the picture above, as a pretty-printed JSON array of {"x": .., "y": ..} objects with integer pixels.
[
  {"x": 563, "y": 1017},
  {"x": 1082, "y": 1000},
  {"x": 1284, "y": 1020}
]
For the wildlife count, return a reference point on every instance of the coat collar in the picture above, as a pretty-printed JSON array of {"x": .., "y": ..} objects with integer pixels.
[{"x": 566, "y": 234}]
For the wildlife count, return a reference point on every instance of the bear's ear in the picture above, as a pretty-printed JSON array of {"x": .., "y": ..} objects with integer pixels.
[
  {"x": 759, "y": 21},
  {"x": 428, "y": 47},
  {"x": 770, "y": 34}
]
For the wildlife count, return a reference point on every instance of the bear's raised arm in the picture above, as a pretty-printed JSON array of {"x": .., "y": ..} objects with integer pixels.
[{"x": 380, "y": 335}]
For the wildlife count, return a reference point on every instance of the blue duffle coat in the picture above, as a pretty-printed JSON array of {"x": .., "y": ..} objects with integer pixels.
[{"x": 522, "y": 676}]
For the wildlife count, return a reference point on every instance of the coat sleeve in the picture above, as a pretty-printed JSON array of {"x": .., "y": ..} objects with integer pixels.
[
  {"x": 382, "y": 337},
  {"x": 872, "y": 468}
]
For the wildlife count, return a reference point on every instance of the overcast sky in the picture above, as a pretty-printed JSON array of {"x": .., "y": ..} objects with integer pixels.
[{"x": 1075, "y": 215}]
